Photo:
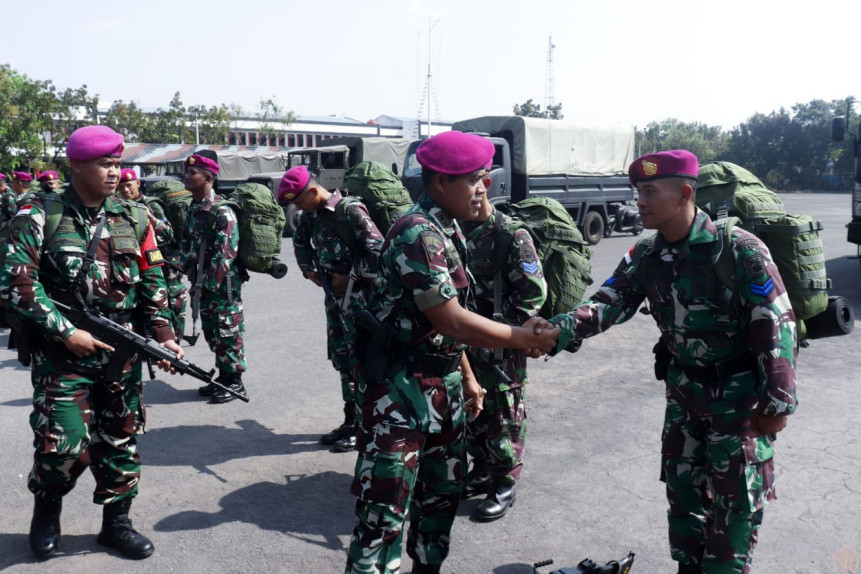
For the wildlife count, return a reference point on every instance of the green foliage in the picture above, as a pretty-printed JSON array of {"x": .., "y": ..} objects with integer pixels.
[
  {"x": 530, "y": 109},
  {"x": 708, "y": 143}
]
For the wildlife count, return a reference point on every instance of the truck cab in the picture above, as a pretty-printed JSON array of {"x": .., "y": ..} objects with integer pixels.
[{"x": 853, "y": 228}]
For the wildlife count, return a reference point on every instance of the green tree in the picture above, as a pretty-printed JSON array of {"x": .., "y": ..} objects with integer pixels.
[
  {"x": 706, "y": 142},
  {"x": 129, "y": 120},
  {"x": 171, "y": 125},
  {"x": 272, "y": 117},
  {"x": 530, "y": 109},
  {"x": 213, "y": 123}
]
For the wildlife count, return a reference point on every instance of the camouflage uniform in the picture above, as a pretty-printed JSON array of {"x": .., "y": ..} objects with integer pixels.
[
  {"x": 177, "y": 292},
  {"x": 317, "y": 231},
  {"x": 221, "y": 298},
  {"x": 411, "y": 439},
  {"x": 496, "y": 437},
  {"x": 8, "y": 208},
  {"x": 78, "y": 420},
  {"x": 719, "y": 476}
]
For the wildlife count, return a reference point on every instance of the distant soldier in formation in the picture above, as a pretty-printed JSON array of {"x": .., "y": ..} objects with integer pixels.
[
  {"x": 411, "y": 441},
  {"x": 20, "y": 187},
  {"x": 130, "y": 189},
  {"x": 209, "y": 252},
  {"x": 495, "y": 439},
  {"x": 85, "y": 248},
  {"x": 729, "y": 368},
  {"x": 49, "y": 181},
  {"x": 4, "y": 189},
  {"x": 352, "y": 276}
]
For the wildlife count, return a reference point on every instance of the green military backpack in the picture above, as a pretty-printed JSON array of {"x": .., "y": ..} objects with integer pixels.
[
  {"x": 732, "y": 195},
  {"x": 380, "y": 190},
  {"x": 564, "y": 255},
  {"x": 174, "y": 200},
  {"x": 261, "y": 223}
]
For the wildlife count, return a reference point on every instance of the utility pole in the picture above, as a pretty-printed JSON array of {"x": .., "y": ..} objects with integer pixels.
[
  {"x": 549, "y": 100},
  {"x": 427, "y": 96}
]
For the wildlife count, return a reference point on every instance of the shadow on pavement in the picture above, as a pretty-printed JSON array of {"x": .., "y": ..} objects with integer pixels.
[
  {"x": 307, "y": 507},
  {"x": 17, "y": 549},
  {"x": 204, "y": 446}
]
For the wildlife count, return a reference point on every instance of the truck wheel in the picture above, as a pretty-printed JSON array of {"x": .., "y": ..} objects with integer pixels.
[
  {"x": 593, "y": 227},
  {"x": 837, "y": 319},
  {"x": 291, "y": 213}
]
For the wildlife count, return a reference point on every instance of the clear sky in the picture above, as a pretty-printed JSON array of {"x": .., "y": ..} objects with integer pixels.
[{"x": 622, "y": 61}]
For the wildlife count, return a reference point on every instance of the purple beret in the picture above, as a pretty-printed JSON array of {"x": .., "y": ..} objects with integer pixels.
[
  {"x": 93, "y": 142},
  {"x": 2, "y": 176},
  {"x": 293, "y": 183},
  {"x": 204, "y": 162},
  {"x": 22, "y": 176},
  {"x": 48, "y": 176},
  {"x": 128, "y": 174},
  {"x": 658, "y": 165},
  {"x": 455, "y": 153}
]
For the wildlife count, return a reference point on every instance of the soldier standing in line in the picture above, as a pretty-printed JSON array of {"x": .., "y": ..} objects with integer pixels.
[
  {"x": 20, "y": 186},
  {"x": 85, "y": 248},
  {"x": 130, "y": 189},
  {"x": 504, "y": 260},
  {"x": 352, "y": 276},
  {"x": 49, "y": 181},
  {"x": 209, "y": 253},
  {"x": 729, "y": 368},
  {"x": 411, "y": 439},
  {"x": 4, "y": 189}
]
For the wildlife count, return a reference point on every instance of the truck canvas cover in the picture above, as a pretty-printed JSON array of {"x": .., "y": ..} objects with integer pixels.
[{"x": 542, "y": 147}]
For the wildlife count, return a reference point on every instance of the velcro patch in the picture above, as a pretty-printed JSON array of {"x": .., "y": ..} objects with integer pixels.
[
  {"x": 154, "y": 257},
  {"x": 754, "y": 264},
  {"x": 432, "y": 242}
]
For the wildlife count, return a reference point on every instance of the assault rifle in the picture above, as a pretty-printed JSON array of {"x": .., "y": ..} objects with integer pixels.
[
  {"x": 623, "y": 566},
  {"x": 326, "y": 282},
  {"x": 487, "y": 357},
  {"x": 129, "y": 345}
]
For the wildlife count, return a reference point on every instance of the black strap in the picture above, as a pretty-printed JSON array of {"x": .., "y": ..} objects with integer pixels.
[
  {"x": 89, "y": 259},
  {"x": 499, "y": 255}
]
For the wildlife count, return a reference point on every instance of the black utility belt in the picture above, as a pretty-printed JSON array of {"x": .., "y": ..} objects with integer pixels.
[
  {"x": 433, "y": 364},
  {"x": 717, "y": 371}
]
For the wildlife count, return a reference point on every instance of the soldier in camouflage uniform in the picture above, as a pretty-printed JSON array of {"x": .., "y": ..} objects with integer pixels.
[
  {"x": 495, "y": 439},
  {"x": 19, "y": 188},
  {"x": 49, "y": 182},
  {"x": 730, "y": 370},
  {"x": 316, "y": 239},
  {"x": 411, "y": 439},
  {"x": 78, "y": 419},
  {"x": 177, "y": 294},
  {"x": 221, "y": 312}
]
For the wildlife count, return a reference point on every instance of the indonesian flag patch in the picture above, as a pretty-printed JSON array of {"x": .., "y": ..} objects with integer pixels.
[{"x": 25, "y": 210}]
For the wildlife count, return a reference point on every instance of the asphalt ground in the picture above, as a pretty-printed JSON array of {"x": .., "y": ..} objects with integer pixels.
[{"x": 246, "y": 487}]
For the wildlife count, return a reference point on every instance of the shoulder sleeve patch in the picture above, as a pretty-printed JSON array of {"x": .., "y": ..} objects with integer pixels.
[{"x": 432, "y": 242}]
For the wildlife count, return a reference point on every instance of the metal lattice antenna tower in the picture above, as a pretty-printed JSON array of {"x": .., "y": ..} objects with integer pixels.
[{"x": 549, "y": 100}]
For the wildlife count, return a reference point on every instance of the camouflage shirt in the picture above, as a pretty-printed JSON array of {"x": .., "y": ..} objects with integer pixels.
[
  {"x": 523, "y": 287},
  {"x": 8, "y": 207},
  {"x": 121, "y": 278},
  {"x": 222, "y": 244},
  {"x": 422, "y": 266},
  {"x": 702, "y": 321},
  {"x": 317, "y": 231}
]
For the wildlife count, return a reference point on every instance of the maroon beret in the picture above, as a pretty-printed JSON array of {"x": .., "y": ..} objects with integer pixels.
[
  {"x": 2, "y": 176},
  {"x": 455, "y": 153},
  {"x": 204, "y": 162},
  {"x": 658, "y": 165},
  {"x": 93, "y": 142},
  {"x": 128, "y": 174},
  {"x": 48, "y": 176},
  {"x": 293, "y": 183},
  {"x": 22, "y": 176}
]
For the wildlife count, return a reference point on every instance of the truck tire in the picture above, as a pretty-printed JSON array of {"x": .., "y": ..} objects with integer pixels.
[
  {"x": 593, "y": 227},
  {"x": 837, "y": 319},
  {"x": 291, "y": 213}
]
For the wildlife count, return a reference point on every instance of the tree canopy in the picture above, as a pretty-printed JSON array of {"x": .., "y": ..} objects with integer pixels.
[{"x": 530, "y": 109}]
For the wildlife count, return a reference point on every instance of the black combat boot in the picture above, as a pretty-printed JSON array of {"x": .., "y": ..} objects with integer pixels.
[
  {"x": 477, "y": 480},
  {"x": 347, "y": 428},
  {"x": 234, "y": 382},
  {"x": 346, "y": 443},
  {"x": 117, "y": 532},
  {"x": 497, "y": 503},
  {"x": 419, "y": 568},
  {"x": 45, "y": 527},
  {"x": 209, "y": 389},
  {"x": 690, "y": 569}
]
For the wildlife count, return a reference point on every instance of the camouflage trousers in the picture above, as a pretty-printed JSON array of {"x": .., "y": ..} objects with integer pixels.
[
  {"x": 497, "y": 436},
  {"x": 223, "y": 326},
  {"x": 79, "y": 421},
  {"x": 718, "y": 478},
  {"x": 340, "y": 347},
  {"x": 177, "y": 295},
  {"x": 400, "y": 468}
]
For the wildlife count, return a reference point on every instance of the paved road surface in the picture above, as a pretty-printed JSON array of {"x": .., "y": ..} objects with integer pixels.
[{"x": 236, "y": 487}]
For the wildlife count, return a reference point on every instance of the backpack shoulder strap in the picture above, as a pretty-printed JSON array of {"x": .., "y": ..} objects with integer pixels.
[
  {"x": 342, "y": 223},
  {"x": 216, "y": 205},
  {"x": 722, "y": 256},
  {"x": 53, "y": 207},
  {"x": 137, "y": 213}
]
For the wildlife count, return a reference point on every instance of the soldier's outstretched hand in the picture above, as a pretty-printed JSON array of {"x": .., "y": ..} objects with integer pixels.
[
  {"x": 544, "y": 337},
  {"x": 82, "y": 344},
  {"x": 173, "y": 346}
]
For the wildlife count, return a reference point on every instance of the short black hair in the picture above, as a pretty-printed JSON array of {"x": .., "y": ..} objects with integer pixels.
[{"x": 427, "y": 177}]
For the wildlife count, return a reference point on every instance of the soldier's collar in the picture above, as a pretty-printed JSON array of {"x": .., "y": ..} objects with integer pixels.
[
  {"x": 333, "y": 200},
  {"x": 435, "y": 212},
  {"x": 112, "y": 203},
  {"x": 703, "y": 230}
]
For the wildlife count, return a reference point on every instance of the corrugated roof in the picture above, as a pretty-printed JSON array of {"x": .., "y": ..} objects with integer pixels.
[{"x": 149, "y": 153}]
